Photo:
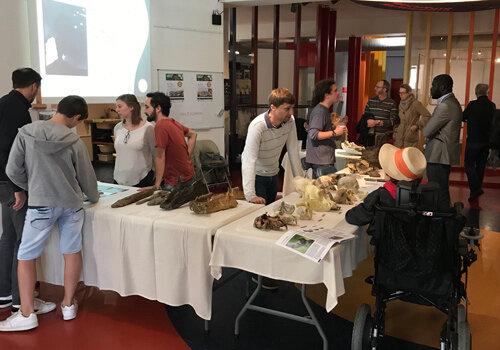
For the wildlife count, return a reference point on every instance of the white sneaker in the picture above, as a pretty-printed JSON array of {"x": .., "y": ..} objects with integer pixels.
[
  {"x": 69, "y": 312},
  {"x": 18, "y": 322},
  {"x": 41, "y": 307}
]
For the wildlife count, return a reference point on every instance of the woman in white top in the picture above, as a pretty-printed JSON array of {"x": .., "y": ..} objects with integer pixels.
[{"x": 134, "y": 145}]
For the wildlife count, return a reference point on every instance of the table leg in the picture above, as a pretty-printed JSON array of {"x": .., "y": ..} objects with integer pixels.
[
  {"x": 312, "y": 321},
  {"x": 247, "y": 305},
  {"x": 313, "y": 317}
]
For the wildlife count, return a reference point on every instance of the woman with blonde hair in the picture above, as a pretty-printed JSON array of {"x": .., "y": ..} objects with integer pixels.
[
  {"x": 413, "y": 117},
  {"x": 134, "y": 145}
]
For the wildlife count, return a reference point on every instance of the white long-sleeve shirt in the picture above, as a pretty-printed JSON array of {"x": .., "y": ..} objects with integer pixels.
[{"x": 263, "y": 147}]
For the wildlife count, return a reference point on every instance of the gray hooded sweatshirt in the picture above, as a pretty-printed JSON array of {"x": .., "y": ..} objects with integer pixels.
[{"x": 51, "y": 162}]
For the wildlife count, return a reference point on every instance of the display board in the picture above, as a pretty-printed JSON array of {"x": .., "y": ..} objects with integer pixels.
[{"x": 197, "y": 97}]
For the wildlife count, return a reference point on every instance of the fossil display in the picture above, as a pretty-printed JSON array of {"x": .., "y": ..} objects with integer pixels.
[
  {"x": 268, "y": 222},
  {"x": 211, "y": 202},
  {"x": 132, "y": 198},
  {"x": 349, "y": 182},
  {"x": 238, "y": 194},
  {"x": 288, "y": 219},
  {"x": 157, "y": 200},
  {"x": 371, "y": 156},
  {"x": 284, "y": 208},
  {"x": 303, "y": 211},
  {"x": 362, "y": 167},
  {"x": 344, "y": 196},
  {"x": 351, "y": 147},
  {"x": 182, "y": 194},
  {"x": 158, "y": 194}
]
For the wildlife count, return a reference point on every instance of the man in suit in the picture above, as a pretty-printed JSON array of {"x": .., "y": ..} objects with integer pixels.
[
  {"x": 479, "y": 118},
  {"x": 442, "y": 133}
]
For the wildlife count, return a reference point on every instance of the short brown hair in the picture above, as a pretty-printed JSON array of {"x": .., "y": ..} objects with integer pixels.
[
  {"x": 407, "y": 88},
  {"x": 131, "y": 101},
  {"x": 280, "y": 96}
]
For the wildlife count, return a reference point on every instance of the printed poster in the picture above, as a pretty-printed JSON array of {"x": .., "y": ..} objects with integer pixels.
[
  {"x": 175, "y": 86},
  {"x": 205, "y": 86}
]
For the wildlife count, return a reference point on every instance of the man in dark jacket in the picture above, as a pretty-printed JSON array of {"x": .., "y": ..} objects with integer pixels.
[
  {"x": 13, "y": 115},
  {"x": 479, "y": 117}
]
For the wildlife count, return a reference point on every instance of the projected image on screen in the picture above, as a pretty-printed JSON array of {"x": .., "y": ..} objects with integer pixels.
[
  {"x": 65, "y": 33},
  {"x": 97, "y": 49}
]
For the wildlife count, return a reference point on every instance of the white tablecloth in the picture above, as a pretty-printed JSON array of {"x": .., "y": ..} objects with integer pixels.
[
  {"x": 242, "y": 246},
  {"x": 143, "y": 250},
  {"x": 341, "y": 158}
]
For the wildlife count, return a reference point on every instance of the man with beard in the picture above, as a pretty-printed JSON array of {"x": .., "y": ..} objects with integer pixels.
[
  {"x": 14, "y": 114},
  {"x": 173, "y": 153},
  {"x": 443, "y": 133}
]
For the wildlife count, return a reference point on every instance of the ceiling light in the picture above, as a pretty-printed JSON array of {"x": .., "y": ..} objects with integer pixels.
[
  {"x": 497, "y": 60},
  {"x": 391, "y": 41}
]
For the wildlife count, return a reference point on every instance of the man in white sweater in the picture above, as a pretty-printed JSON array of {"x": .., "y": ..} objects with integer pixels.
[{"x": 267, "y": 134}]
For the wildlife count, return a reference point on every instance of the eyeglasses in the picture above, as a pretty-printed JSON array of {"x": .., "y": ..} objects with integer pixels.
[{"x": 127, "y": 136}]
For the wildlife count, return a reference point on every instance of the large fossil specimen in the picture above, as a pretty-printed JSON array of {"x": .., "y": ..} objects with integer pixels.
[
  {"x": 157, "y": 200},
  {"x": 182, "y": 194},
  {"x": 155, "y": 196},
  {"x": 268, "y": 222},
  {"x": 362, "y": 167},
  {"x": 132, "y": 198},
  {"x": 211, "y": 203}
]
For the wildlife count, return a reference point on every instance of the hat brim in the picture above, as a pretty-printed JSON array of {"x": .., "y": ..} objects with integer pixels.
[{"x": 386, "y": 159}]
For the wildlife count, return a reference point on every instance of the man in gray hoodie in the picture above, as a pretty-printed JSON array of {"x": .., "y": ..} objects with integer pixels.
[{"x": 51, "y": 162}]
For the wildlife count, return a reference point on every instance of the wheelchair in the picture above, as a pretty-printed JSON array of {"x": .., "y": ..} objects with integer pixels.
[{"x": 420, "y": 257}]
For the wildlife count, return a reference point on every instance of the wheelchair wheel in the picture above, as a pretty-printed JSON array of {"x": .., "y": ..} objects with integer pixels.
[
  {"x": 461, "y": 315},
  {"x": 362, "y": 330},
  {"x": 464, "y": 336}
]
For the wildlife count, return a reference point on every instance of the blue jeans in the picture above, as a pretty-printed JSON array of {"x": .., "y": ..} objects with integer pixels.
[
  {"x": 320, "y": 170},
  {"x": 38, "y": 225}
]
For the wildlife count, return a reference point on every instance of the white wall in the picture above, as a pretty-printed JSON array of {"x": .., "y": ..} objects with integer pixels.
[
  {"x": 14, "y": 40},
  {"x": 183, "y": 37}
]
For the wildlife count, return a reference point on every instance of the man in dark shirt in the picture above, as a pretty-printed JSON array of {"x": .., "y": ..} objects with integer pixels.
[
  {"x": 14, "y": 114},
  {"x": 384, "y": 112},
  {"x": 479, "y": 117}
]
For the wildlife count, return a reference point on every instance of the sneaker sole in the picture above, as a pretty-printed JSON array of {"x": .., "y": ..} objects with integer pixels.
[
  {"x": 50, "y": 309},
  {"x": 38, "y": 312},
  {"x": 68, "y": 318},
  {"x": 19, "y": 329}
]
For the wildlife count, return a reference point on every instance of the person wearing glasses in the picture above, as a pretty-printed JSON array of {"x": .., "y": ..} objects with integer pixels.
[
  {"x": 134, "y": 145},
  {"x": 413, "y": 117},
  {"x": 383, "y": 114}
]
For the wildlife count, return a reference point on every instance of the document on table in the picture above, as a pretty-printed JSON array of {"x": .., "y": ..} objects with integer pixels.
[
  {"x": 109, "y": 190},
  {"x": 312, "y": 242}
]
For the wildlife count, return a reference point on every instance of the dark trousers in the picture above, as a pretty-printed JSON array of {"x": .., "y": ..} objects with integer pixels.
[
  {"x": 476, "y": 156},
  {"x": 266, "y": 187},
  {"x": 148, "y": 180},
  {"x": 12, "y": 229},
  {"x": 440, "y": 174}
]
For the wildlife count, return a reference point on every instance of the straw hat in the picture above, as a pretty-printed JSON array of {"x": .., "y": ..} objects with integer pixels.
[{"x": 402, "y": 164}]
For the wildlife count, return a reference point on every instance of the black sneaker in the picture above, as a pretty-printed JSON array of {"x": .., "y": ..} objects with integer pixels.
[{"x": 5, "y": 301}]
